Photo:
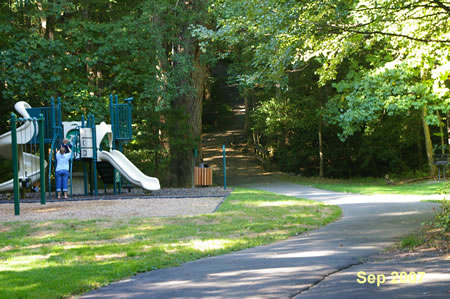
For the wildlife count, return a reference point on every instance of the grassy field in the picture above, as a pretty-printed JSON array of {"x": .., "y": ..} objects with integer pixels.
[
  {"x": 57, "y": 259},
  {"x": 368, "y": 185}
]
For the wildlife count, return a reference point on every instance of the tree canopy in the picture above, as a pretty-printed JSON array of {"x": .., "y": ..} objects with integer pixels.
[
  {"x": 85, "y": 50},
  {"x": 342, "y": 80},
  {"x": 381, "y": 58}
]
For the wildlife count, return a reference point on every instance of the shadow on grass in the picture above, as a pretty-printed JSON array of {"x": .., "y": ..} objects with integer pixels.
[{"x": 69, "y": 257}]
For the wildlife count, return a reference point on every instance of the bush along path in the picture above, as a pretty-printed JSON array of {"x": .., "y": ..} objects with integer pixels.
[{"x": 319, "y": 264}]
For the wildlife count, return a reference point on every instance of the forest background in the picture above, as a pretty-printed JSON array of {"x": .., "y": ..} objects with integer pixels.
[{"x": 338, "y": 88}]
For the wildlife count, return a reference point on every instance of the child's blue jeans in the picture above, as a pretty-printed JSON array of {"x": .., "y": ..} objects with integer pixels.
[{"x": 61, "y": 180}]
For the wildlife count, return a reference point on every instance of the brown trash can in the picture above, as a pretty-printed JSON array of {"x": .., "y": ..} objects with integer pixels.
[{"x": 203, "y": 176}]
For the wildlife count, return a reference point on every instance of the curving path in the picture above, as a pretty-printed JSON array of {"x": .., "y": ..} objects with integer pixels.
[{"x": 319, "y": 264}]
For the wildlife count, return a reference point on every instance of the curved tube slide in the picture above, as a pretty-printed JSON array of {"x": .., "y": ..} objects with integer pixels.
[{"x": 28, "y": 164}]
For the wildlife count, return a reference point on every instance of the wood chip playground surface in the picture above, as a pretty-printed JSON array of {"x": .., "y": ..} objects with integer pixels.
[{"x": 162, "y": 203}]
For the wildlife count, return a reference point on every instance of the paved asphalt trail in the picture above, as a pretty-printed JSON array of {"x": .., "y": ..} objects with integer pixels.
[{"x": 322, "y": 263}]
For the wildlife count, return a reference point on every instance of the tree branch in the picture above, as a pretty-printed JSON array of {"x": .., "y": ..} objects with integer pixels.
[
  {"x": 428, "y": 16},
  {"x": 391, "y": 34},
  {"x": 388, "y": 8},
  {"x": 441, "y": 5}
]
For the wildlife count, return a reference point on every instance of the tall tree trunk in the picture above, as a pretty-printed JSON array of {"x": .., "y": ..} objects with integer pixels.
[
  {"x": 195, "y": 107},
  {"x": 428, "y": 143},
  {"x": 419, "y": 151},
  {"x": 320, "y": 146},
  {"x": 182, "y": 160},
  {"x": 47, "y": 22},
  {"x": 448, "y": 131},
  {"x": 441, "y": 132}
]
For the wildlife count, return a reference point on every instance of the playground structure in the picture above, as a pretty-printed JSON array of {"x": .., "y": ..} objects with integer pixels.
[
  {"x": 88, "y": 146},
  {"x": 29, "y": 164}
]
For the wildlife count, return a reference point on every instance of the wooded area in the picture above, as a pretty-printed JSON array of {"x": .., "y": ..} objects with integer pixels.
[{"x": 332, "y": 88}]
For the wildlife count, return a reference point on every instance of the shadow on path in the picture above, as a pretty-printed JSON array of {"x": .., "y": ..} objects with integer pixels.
[{"x": 296, "y": 267}]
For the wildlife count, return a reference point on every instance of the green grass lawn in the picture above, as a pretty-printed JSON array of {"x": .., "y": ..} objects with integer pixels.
[
  {"x": 368, "y": 185},
  {"x": 61, "y": 258}
]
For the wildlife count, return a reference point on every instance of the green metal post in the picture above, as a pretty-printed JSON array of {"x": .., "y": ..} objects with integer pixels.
[
  {"x": 129, "y": 115},
  {"x": 94, "y": 160},
  {"x": 91, "y": 181},
  {"x": 130, "y": 110},
  {"x": 60, "y": 117},
  {"x": 111, "y": 112},
  {"x": 50, "y": 158},
  {"x": 15, "y": 164},
  {"x": 224, "y": 169},
  {"x": 114, "y": 182},
  {"x": 85, "y": 172},
  {"x": 120, "y": 180},
  {"x": 71, "y": 173},
  {"x": 52, "y": 101},
  {"x": 117, "y": 120},
  {"x": 42, "y": 157}
]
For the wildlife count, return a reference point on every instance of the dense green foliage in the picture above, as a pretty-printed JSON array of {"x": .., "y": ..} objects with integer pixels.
[
  {"x": 442, "y": 220},
  {"x": 336, "y": 88},
  {"x": 83, "y": 51},
  {"x": 374, "y": 73}
]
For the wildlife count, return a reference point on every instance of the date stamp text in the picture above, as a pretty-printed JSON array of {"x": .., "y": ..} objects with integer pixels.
[{"x": 394, "y": 278}]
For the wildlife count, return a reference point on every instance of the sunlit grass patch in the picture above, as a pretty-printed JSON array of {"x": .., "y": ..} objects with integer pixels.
[
  {"x": 111, "y": 256},
  {"x": 212, "y": 244},
  {"x": 411, "y": 241},
  {"x": 367, "y": 185},
  {"x": 281, "y": 203},
  {"x": 62, "y": 258},
  {"x": 22, "y": 262}
]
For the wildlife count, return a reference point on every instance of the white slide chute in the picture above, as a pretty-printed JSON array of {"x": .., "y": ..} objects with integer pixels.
[
  {"x": 129, "y": 170},
  {"x": 29, "y": 166}
]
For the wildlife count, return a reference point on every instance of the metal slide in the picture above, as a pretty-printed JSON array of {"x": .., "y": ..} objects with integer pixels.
[
  {"x": 129, "y": 170},
  {"x": 29, "y": 166}
]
